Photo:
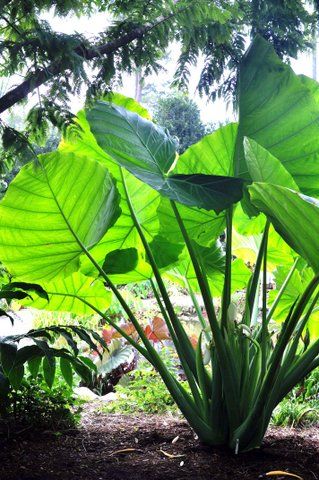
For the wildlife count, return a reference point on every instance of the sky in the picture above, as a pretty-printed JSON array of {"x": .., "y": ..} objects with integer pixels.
[{"x": 216, "y": 112}]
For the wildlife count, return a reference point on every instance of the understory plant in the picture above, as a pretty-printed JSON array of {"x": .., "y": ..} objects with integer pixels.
[
  {"x": 36, "y": 352},
  {"x": 114, "y": 204}
]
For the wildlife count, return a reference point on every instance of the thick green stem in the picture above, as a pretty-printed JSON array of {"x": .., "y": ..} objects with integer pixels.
[
  {"x": 183, "y": 345},
  {"x": 226, "y": 299},
  {"x": 282, "y": 290},
  {"x": 198, "y": 311},
  {"x": 264, "y": 328},
  {"x": 256, "y": 275},
  {"x": 226, "y": 357},
  {"x": 247, "y": 430}
]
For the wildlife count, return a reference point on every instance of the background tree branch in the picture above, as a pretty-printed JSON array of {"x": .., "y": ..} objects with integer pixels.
[{"x": 40, "y": 76}]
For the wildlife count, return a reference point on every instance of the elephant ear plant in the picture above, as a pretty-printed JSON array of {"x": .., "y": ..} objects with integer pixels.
[{"x": 115, "y": 204}]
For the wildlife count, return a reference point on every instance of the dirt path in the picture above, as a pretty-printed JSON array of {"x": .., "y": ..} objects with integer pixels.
[{"x": 91, "y": 453}]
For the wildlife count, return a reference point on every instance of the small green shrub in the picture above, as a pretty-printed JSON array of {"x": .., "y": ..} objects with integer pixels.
[
  {"x": 35, "y": 404},
  {"x": 144, "y": 392},
  {"x": 301, "y": 407},
  {"x": 293, "y": 413}
]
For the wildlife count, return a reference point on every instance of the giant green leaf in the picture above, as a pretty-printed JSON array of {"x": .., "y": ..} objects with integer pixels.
[
  {"x": 143, "y": 199},
  {"x": 134, "y": 142},
  {"x": 264, "y": 167},
  {"x": 202, "y": 226},
  {"x": 246, "y": 247},
  {"x": 212, "y": 155},
  {"x": 149, "y": 153},
  {"x": 294, "y": 289},
  {"x": 294, "y": 216},
  {"x": 70, "y": 294},
  {"x": 50, "y": 213},
  {"x": 212, "y": 260},
  {"x": 279, "y": 110}
]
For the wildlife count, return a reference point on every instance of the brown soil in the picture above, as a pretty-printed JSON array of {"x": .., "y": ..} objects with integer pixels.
[{"x": 93, "y": 452}]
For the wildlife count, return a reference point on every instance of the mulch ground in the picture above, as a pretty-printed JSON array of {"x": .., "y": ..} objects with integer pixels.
[{"x": 120, "y": 447}]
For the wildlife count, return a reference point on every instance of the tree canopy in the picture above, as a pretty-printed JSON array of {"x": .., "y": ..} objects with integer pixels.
[
  {"x": 54, "y": 65},
  {"x": 181, "y": 116}
]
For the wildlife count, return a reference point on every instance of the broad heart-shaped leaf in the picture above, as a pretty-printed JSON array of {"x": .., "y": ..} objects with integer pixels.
[
  {"x": 144, "y": 200},
  {"x": 202, "y": 226},
  {"x": 137, "y": 144},
  {"x": 295, "y": 288},
  {"x": 211, "y": 192},
  {"x": 213, "y": 261},
  {"x": 294, "y": 216},
  {"x": 264, "y": 167},
  {"x": 65, "y": 295},
  {"x": 148, "y": 152},
  {"x": 212, "y": 155},
  {"x": 50, "y": 212},
  {"x": 246, "y": 247},
  {"x": 279, "y": 110}
]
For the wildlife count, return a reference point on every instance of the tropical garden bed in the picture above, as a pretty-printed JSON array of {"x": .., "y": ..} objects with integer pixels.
[
  {"x": 232, "y": 221},
  {"x": 117, "y": 446}
]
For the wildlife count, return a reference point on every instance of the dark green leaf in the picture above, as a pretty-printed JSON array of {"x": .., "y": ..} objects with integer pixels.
[
  {"x": 33, "y": 287},
  {"x": 34, "y": 366},
  {"x": 8, "y": 353},
  {"x": 165, "y": 253},
  {"x": 16, "y": 375},
  {"x": 49, "y": 370},
  {"x": 120, "y": 261},
  {"x": 210, "y": 192},
  {"x": 66, "y": 370}
]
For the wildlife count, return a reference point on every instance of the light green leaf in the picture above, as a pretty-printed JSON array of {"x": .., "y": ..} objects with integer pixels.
[
  {"x": 212, "y": 155},
  {"x": 50, "y": 211},
  {"x": 246, "y": 225},
  {"x": 294, "y": 216},
  {"x": 264, "y": 167},
  {"x": 295, "y": 288},
  {"x": 144, "y": 200},
  {"x": 202, "y": 226},
  {"x": 66, "y": 295},
  {"x": 149, "y": 153},
  {"x": 134, "y": 142},
  {"x": 279, "y": 110},
  {"x": 128, "y": 103},
  {"x": 246, "y": 247}
]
